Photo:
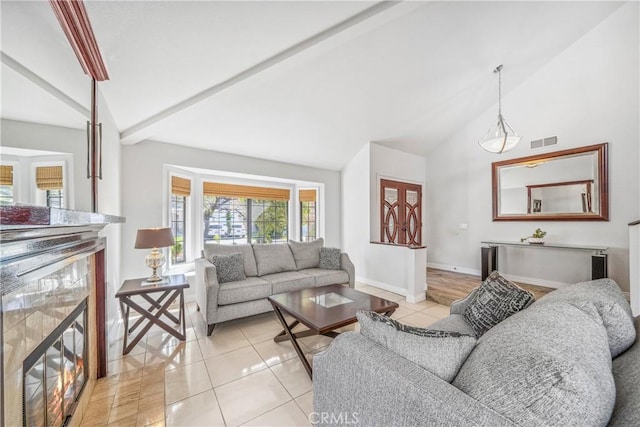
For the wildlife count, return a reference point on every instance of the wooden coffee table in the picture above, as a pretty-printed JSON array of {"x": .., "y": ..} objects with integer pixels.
[{"x": 323, "y": 310}]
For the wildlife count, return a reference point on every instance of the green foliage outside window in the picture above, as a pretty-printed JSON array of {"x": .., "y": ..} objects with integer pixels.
[{"x": 272, "y": 222}]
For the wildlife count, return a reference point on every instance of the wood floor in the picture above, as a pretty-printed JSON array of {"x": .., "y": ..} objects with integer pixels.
[{"x": 444, "y": 287}]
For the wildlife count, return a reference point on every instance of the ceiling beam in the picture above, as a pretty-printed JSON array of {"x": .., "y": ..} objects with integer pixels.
[
  {"x": 43, "y": 84},
  {"x": 142, "y": 130},
  {"x": 75, "y": 24}
]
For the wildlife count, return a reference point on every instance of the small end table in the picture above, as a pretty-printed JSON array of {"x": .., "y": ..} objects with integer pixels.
[{"x": 169, "y": 288}]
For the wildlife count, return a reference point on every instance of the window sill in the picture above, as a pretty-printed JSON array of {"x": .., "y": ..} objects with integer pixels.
[{"x": 182, "y": 268}]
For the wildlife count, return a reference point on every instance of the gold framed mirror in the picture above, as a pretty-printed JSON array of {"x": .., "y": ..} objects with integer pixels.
[{"x": 567, "y": 185}]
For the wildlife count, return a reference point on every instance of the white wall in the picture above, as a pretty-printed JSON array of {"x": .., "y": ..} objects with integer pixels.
[
  {"x": 109, "y": 202},
  {"x": 387, "y": 163},
  {"x": 383, "y": 266},
  {"x": 355, "y": 209},
  {"x": 142, "y": 189},
  {"x": 586, "y": 95}
]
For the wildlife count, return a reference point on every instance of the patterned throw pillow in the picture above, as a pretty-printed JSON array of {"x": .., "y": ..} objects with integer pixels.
[
  {"x": 330, "y": 258},
  {"x": 439, "y": 352},
  {"x": 229, "y": 268},
  {"x": 495, "y": 300}
]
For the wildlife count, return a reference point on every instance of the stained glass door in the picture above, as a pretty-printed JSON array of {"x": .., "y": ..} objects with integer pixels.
[{"x": 400, "y": 213}]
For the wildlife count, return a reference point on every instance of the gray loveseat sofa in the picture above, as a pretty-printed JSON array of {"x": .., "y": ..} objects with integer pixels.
[
  {"x": 269, "y": 269},
  {"x": 572, "y": 358}
]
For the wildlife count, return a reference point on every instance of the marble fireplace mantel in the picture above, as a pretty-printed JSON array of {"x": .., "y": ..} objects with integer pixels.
[{"x": 50, "y": 261}]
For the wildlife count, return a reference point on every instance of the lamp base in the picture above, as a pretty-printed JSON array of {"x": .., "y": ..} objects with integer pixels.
[
  {"x": 155, "y": 260},
  {"x": 154, "y": 277}
]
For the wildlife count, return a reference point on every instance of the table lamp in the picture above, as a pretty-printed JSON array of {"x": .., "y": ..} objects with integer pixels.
[{"x": 154, "y": 238}]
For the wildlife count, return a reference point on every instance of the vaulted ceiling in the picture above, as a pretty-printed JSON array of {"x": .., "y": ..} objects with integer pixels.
[{"x": 301, "y": 82}]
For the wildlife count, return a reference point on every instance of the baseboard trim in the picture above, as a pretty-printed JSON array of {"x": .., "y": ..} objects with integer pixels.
[
  {"x": 454, "y": 268},
  {"x": 513, "y": 277},
  {"x": 381, "y": 285}
]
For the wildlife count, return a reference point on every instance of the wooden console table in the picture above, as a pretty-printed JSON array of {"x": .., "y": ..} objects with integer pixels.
[{"x": 489, "y": 255}]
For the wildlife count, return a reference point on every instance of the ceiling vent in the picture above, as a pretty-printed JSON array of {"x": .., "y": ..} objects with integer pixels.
[{"x": 544, "y": 142}]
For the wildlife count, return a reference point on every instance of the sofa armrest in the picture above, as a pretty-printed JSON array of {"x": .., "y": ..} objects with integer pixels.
[
  {"x": 207, "y": 287},
  {"x": 360, "y": 383},
  {"x": 347, "y": 265},
  {"x": 459, "y": 306}
]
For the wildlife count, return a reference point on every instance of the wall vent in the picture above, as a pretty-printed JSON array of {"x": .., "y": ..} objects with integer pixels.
[{"x": 544, "y": 142}]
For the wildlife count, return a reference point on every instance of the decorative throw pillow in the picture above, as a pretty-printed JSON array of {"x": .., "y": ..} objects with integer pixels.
[
  {"x": 330, "y": 258},
  {"x": 495, "y": 300},
  {"x": 439, "y": 352},
  {"x": 229, "y": 268},
  {"x": 306, "y": 254}
]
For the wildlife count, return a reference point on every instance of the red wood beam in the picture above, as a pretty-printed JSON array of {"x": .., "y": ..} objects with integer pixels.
[{"x": 75, "y": 23}]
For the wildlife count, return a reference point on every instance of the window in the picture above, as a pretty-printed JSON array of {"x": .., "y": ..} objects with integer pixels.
[
  {"x": 55, "y": 198},
  {"x": 50, "y": 180},
  {"x": 6, "y": 184},
  {"x": 180, "y": 190},
  {"x": 307, "y": 215},
  {"x": 235, "y": 214}
]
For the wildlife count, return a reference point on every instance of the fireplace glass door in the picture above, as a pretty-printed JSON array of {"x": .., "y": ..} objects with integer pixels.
[{"x": 55, "y": 373}]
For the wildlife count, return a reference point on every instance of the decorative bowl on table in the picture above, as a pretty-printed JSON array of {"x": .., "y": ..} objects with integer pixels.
[{"x": 535, "y": 240}]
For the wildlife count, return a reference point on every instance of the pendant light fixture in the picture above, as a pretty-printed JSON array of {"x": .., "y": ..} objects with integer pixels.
[{"x": 500, "y": 137}]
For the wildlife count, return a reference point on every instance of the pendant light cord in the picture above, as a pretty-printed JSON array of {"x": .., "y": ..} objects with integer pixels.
[{"x": 499, "y": 71}]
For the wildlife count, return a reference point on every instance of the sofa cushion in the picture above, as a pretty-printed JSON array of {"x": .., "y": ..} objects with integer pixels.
[
  {"x": 306, "y": 254},
  {"x": 454, "y": 323},
  {"x": 330, "y": 258},
  {"x": 289, "y": 281},
  {"x": 327, "y": 277},
  {"x": 544, "y": 366},
  {"x": 252, "y": 288},
  {"x": 626, "y": 372},
  {"x": 229, "y": 268},
  {"x": 441, "y": 353},
  {"x": 246, "y": 250},
  {"x": 495, "y": 300},
  {"x": 273, "y": 258},
  {"x": 604, "y": 301}
]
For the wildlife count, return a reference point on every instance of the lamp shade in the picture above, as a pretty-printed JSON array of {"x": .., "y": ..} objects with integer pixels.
[{"x": 149, "y": 238}]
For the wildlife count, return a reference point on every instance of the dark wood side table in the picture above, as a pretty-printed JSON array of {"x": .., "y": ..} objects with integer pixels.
[{"x": 160, "y": 295}]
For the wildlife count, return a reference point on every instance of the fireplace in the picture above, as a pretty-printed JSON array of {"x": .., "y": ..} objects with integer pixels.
[
  {"x": 52, "y": 313},
  {"x": 54, "y": 373}
]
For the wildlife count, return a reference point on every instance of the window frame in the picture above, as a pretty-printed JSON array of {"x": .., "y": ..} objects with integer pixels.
[
  {"x": 195, "y": 224},
  {"x": 302, "y": 221},
  {"x": 38, "y": 196},
  {"x": 249, "y": 206},
  {"x": 188, "y": 250},
  {"x": 15, "y": 186},
  {"x": 60, "y": 196}
]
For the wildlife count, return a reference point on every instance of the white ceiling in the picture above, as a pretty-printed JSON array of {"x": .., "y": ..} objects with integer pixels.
[{"x": 301, "y": 82}]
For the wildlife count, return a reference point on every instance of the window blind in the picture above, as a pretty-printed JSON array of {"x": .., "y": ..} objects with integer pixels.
[
  {"x": 307, "y": 195},
  {"x": 245, "y": 191},
  {"x": 49, "y": 178},
  {"x": 180, "y": 186},
  {"x": 6, "y": 175}
]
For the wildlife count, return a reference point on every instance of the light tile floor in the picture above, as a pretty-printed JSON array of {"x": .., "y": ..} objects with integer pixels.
[{"x": 237, "y": 376}]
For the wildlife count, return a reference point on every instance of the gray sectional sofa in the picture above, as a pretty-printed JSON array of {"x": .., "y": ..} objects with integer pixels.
[
  {"x": 268, "y": 269},
  {"x": 572, "y": 358}
]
